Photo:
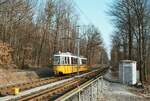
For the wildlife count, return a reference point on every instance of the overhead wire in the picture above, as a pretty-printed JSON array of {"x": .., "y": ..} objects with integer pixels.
[{"x": 82, "y": 12}]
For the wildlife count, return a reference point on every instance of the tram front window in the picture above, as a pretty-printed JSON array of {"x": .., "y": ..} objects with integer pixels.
[{"x": 56, "y": 59}]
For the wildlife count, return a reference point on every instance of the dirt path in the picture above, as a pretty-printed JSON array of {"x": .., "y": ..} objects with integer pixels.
[{"x": 118, "y": 92}]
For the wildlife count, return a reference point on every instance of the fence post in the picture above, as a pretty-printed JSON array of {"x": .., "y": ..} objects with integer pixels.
[
  {"x": 79, "y": 97},
  {"x": 97, "y": 89},
  {"x": 91, "y": 92},
  {"x": 101, "y": 84}
]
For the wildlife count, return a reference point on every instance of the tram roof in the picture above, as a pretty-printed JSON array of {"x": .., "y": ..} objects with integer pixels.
[
  {"x": 68, "y": 54},
  {"x": 64, "y": 54}
]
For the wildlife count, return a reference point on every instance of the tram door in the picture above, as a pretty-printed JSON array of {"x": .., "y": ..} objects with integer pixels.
[{"x": 72, "y": 64}]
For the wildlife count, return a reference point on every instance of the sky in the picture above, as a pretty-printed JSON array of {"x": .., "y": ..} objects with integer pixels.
[{"x": 97, "y": 13}]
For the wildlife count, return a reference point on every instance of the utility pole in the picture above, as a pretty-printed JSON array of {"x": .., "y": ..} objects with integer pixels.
[
  {"x": 78, "y": 50},
  {"x": 78, "y": 54}
]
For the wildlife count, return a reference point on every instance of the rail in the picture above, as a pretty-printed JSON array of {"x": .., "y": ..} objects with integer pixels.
[
  {"x": 81, "y": 88},
  {"x": 28, "y": 85},
  {"x": 58, "y": 90}
]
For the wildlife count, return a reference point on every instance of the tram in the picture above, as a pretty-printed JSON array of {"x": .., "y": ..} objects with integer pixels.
[{"x": 67, "y": 63}]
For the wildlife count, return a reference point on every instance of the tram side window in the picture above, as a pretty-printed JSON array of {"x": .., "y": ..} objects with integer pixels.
[
  {"x": 72, "y": 60},
  {"x": 57, "y": 60},
  {"x": 66, "y": 60},
  {"x": 84, "y": 61},
  {"x": 63, "y": 61},
  {"x": 75, "y": 61}
]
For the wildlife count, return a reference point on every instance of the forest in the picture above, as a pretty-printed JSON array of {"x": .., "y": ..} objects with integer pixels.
[
  {"x": 131, "y": 37},
  {"x": 32, "y": 31}
]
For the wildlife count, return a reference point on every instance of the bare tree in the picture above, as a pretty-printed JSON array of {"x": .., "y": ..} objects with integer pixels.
[{"x": 132, "y": 22}]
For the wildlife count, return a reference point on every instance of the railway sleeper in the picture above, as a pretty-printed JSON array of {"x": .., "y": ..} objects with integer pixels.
[
  {"x": 27, "y": 85},
  {"x": 57, "y": 90}
]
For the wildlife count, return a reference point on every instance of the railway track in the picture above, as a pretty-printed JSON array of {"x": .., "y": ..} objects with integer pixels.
[
  {"x": 54, "y": 92},
  {"x": 7, "y": 90},
  {"x": 28, "y": 85}
]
